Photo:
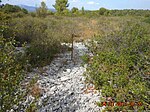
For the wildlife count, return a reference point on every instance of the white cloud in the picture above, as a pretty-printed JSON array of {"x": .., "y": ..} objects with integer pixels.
[
  {"x": 74, "y": 1},
  {"x": 43, "y": 0},
  {"x": 91, "y": 2}
]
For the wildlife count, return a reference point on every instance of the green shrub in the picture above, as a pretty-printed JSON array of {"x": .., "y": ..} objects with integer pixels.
[
  {"x": 28, "y": 28},
  {"x": 5, "y": 25},
  {"x": 85, "y": 58},
  {"x": 18, "y": 14},
  {"x": 44, "y": 36},
  {"x": 147, "y": 20},
  {"x": 33, "y": 14},
  {"x": 120, "y": 67},
  {"x": 42, "y": 11},
  {"x": 12, "y": 72},
  {"x": 75, "y": 11},
  {"x": 7, "y": 8},
  {"x": 42, "y": 50},
  {"x": 103, "y": 11}
]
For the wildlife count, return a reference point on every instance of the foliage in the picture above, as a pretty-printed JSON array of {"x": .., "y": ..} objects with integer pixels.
[
  {"x": 130, "y": 12},
  {"x": 50, "y": 12},
  {"x": 61, "y": 6},
  {"x": 32, "y": 14},
  {"x": 24, "y": 29},
  {"x": 42, "y": 10},
  {"x": 7, "y": 8},
  {"x": 42, "y": 50},
  {"x": 83, "y": 11},
  {"x": 147, "y": 20},
  {"x": 44, "y": 36},
  {"x": 75, "y": 10},
  {"x": 103, "y": 11},
  {"x": 85, "y": 58},
  {"x": 66, "y": 12},
  {"x": 120, "y": 66},
  {"x": 12, "y": 72},
  {"x": 4, "y": 27},
  {"x": 24, "y": 11}
]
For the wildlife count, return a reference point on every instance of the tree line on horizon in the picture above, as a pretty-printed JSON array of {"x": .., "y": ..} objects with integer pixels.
[
  {"x": 61, "y": 7},
  {"x": 120, "y": 63}
]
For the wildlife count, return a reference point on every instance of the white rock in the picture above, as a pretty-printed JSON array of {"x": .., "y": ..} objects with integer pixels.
[
  {"x": 64, "y": 89},
  {"x": 53, "y": 88},
  {"x": 64, "y": 78},
  {"x": 11, "y": 110}
]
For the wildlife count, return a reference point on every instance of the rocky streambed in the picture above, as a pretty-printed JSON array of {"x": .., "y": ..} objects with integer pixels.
[{"x": 62, "y": 85}]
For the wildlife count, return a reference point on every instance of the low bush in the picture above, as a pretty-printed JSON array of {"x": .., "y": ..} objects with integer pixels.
[
  {"x": 28, "y": 28},
  {"x": 12, "y": 72},
  {"x": 147, "y": 20},
  {"x": 42, "y": 51},
  {"x": 120, "y": 67},
  {"x": 5, "y": 30},
  {"x": 43, "y": 36}
]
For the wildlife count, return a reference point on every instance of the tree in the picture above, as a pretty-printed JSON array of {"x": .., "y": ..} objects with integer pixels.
[
  {"x": 42, "y": 10},
  {"x": 24, "y": 11},
  {"x": 103, "y": 11},
  {"x": 61, "y": 6},
  {"x": 66, "y": 12},
  {"x": 83, "y": 11},
  {"x": 7, "y": 8},
  {"x": 74, "y": 10}
]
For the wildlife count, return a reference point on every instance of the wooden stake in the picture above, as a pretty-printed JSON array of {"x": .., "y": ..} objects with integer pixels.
[{"x": 72, "y": 47}]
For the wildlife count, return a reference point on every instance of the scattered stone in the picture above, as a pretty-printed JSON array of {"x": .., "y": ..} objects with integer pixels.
[
  {"x": 28, "y": 77},
  {"x": 63, "y": 85}
]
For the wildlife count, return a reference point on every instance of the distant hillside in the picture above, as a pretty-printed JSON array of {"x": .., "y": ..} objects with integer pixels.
[{"x": 33, "y": 9}]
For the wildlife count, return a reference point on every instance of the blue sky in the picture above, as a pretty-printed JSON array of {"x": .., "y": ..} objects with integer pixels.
[{"x": 90, "y": 4}]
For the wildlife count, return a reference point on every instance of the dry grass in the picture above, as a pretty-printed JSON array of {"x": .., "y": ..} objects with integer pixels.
[
  {"x": 88, "y": 27},
  {"x": 35, "y": 90},
  {"x": 90, "y": 89}
]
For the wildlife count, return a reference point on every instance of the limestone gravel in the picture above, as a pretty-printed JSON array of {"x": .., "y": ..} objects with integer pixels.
[{"x": 63, "y": 84}]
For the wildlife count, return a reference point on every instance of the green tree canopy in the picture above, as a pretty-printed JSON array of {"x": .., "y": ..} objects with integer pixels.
[
  {"x": 103, "y": 11},
  {"x": 83, "y": 11},
  {"x": 74, "y": 10},
  {"x": 7, "y": 8},
  {"x": 42, "y": 10},
  {"x": 61, "y": 6}
]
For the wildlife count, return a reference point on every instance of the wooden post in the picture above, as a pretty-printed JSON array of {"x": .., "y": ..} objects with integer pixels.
[{"x": 72, "y": 47}]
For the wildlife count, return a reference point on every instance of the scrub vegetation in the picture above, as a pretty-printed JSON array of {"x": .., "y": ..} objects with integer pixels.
[{"x": 120, "y": 43}]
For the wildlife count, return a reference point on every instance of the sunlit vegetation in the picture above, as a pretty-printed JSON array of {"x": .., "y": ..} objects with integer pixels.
[
  {"x": 120, "y": 66},
  {"x": 12, "y": 72},
  {"x": 120, "y": 43}
]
